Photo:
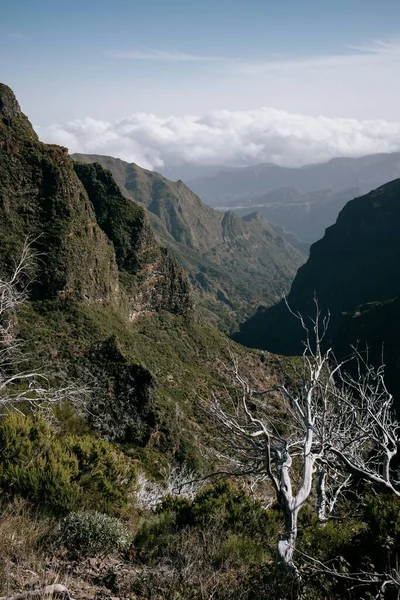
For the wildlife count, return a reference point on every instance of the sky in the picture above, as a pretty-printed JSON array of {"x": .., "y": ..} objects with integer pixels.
[{"x": 209, "y": 82}]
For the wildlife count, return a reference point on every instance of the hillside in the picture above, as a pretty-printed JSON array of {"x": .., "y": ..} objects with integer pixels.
[
  {"x": 234, "y": 264},
  {"x": 105, "y": 298},
  {"x": 112, "y": 387},
  {"x": 354, "y": 271}
]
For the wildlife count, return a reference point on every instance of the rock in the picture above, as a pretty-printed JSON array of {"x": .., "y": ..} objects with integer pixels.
[{"x": 49, "y": 591}]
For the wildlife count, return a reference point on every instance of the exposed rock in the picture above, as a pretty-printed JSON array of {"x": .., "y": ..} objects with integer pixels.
[
  {"x": 122, "y": 409},
  {"x": 152, "y": 278},
  {"x": 92, "y": 246},
  {"x": 42, "y": 199},
  {"x": 49, "y": 591}
]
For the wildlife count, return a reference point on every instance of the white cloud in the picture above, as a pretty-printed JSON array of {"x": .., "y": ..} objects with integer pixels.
[
  {"x": 226, "y": 137},
  {"x": 167, "y": 55}
]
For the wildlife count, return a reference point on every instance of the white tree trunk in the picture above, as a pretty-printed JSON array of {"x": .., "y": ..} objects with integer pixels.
[{"x": 287, "y": 543}]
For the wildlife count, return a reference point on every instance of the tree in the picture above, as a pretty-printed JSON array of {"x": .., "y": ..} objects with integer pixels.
[
  {"x": 337, "y": 425},
  {"x": 17, "y": 386}
]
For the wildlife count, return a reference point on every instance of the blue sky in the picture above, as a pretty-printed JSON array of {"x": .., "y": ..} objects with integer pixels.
[{"x": 77, "y": 59}]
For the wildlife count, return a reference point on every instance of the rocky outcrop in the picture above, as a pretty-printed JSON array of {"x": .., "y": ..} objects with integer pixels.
[
  {"x": 150, "y": 277},
  {"x": 122, "y": 410},
  {"x": 42, "y": 199}
]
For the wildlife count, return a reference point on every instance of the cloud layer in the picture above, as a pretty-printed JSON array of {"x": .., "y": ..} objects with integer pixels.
[{"x": 225, "y": 137}]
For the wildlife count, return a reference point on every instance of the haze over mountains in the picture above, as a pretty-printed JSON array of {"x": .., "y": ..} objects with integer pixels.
[{"x": 305, "y": 200}]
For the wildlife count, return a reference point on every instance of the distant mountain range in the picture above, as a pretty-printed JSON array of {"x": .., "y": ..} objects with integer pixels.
[
  {"x": 305, "y": 215},
  {"x": 303, "y": 201},
  {"x": 234, "y": 264},
  {"x": 339, "y": 174}
]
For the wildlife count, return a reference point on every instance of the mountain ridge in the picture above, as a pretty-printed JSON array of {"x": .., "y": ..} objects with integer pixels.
[{"x": 233, "y": 264}]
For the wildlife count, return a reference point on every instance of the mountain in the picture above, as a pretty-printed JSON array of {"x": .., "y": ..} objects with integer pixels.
[
  {"x": 304, "y": 215},
  {"x": 102, "y": 251},
  {"x": 337, "y": 175},
  {"x": 233, "y": 263},
  {"x": 107, "y": 304},
  {"x": 354, "y": 272}
]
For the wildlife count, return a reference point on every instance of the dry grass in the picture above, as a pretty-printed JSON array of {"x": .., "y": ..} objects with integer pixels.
[{"x": 25, "y": 553}]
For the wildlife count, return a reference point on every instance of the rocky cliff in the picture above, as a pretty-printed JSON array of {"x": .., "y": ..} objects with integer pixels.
[{"x": 90, "y": 243}]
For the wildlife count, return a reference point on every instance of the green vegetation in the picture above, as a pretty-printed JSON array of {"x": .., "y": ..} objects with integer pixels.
[
  {"x": 59, "y": 474},
  {"x": 233, "y": 264},
  {"x": 110, "y": 309},
  {"x": 93, "y": 534}
]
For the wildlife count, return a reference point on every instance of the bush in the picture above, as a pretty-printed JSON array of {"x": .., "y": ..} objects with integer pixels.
[
  {"x": 87, "y": 533},
  {"x": 232, "y": 508},
  {"x": 60, "y": 474}
]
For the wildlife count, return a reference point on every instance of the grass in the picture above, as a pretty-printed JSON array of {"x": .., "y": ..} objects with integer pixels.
[{"x": 186, "y": 359}]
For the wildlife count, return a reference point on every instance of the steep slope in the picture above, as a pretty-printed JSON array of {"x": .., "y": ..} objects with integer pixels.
[
  {"x": 338, "y": 174},
  {"x": 151, "y": 278},
  {"x": 42, "y": 199},
  {"x": 233, "y": 264},
  {"x": 356, "y": 263}
]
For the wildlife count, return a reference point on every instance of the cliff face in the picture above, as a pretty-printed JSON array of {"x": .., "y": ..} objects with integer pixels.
[
  {"x": 358, "y": 259},
  {"x": 42, "y": 199},
  {"x": 91, "y": 243},
  {"x": 356, "y": 262},
  {"x": 150, "y": 277},
  {"x": 234, "y": 264}
]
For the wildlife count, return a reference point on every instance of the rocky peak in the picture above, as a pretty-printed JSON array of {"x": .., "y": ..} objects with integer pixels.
[
  {"x": 9, "y": 106},
  {"x": 14, "y": 125},
  {"x": 95, "y": 245}
]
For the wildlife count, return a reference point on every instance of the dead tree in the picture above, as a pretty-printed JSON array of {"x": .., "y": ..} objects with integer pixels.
[
  {"x": 19, "y": 386},
  {"x": 336, "y": 425}
]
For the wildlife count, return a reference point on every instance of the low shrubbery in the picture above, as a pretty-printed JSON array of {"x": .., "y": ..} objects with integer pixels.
[
  {"x": 87, "y": 533},
  {"x": 60, "y": 474}
]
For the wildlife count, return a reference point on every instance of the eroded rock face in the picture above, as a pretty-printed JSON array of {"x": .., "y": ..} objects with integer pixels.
[
  {"x": 150, "y": 277},
  {"x": 91, "y": 243},
  {"x": 42, "y": 199}
]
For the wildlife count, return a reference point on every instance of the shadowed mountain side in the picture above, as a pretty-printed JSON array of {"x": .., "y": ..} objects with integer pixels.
[
  {"x": 356, "y": 263},
  {"x": 233, "y": 263}
]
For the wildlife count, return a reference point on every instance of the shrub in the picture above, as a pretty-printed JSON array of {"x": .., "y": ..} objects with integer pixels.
[
  {"x": 60, "y": 474},
  {"x": 87, "y": 533},
  {"x": 233, "y": 508}
]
